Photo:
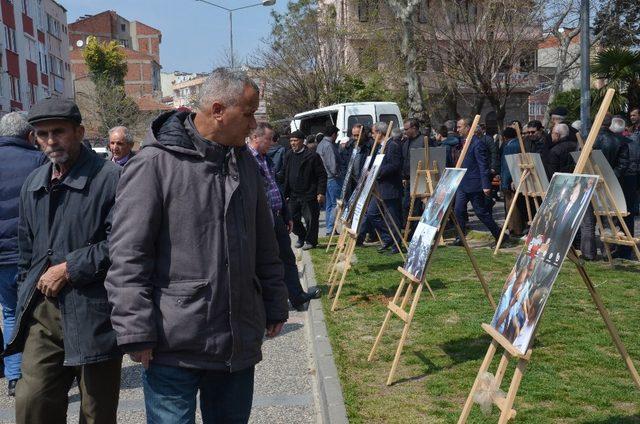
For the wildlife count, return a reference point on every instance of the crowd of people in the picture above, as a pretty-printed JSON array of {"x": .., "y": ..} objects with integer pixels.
[
  {"x": 487, "y": 177},
  {"x": 180, "y": 254}
]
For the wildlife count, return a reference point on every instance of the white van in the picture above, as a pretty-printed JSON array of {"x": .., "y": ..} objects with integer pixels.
[{"x": 346, "y": 115}]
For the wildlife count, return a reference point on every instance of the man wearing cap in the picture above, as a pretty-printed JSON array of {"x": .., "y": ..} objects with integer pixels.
[
  {"x": 63, "y": 326},
  {"x": 305, "y": 182},
  {"x": 330, "y": 154}
]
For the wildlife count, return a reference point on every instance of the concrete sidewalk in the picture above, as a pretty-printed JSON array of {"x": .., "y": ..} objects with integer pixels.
[{"x": 287, "y": 389}]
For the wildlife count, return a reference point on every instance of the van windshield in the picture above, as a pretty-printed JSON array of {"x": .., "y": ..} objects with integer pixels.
[
  {"x": 316, "y": 123},
  {"x": 366, "y": 120}
]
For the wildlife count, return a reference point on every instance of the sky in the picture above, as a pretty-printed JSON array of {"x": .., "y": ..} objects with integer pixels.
[{"x": 195, "y": 35}]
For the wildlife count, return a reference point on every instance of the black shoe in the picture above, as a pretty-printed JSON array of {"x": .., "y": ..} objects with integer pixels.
[
  {"x": 457, "y": 242},
  {"x": 300, "y": 304},
  {"x": 384, "y": 247},
  {"x": 393, "y": 251},
  {"x": 299, "y": 244},
  {"x": 507, "y": 242},
  {"x": 11, "y": 388}
]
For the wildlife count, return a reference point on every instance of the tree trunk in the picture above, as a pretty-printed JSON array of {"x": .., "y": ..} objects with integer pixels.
[{"x": 408, "y": 51}]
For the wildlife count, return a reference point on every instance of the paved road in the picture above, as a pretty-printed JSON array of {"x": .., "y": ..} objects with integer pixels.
[{"x": 284, "y": 383}]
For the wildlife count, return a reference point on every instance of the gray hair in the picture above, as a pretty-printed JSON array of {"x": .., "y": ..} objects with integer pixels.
[
  {"x": 396, "y": 132},
  {"x": 381, "y": 127},
  {"x": 15, "y": 124},
  {"x": 127, "y": 135},
  {"x": 451, "y": 125},
  {"x": 225, "y": 86},
  {"x": 561, "y": 129},
  {"x": 617, "y": 125}
]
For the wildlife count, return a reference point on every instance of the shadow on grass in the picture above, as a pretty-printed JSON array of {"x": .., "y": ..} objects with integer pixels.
[
  {"x": 466, "y": 349},
  {"x": 618, "y": 419},
  {"x": 432, "y": 368},
  {"x": 436, "y": 284}
]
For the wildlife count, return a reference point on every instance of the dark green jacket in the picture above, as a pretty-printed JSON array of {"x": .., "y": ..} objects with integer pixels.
[{"x": 69, "y": 222}]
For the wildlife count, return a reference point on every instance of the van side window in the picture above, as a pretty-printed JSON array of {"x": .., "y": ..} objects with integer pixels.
[
  {"x": 366, "y": 120},
  {"x": 315, "y": 124},
  {"x": 389, "y": 118}
]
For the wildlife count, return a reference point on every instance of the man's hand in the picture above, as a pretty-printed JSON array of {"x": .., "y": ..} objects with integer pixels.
[
  {"x": 274, "y": 329},
  {"x": 320, "y": 198},
  {"x": 487, "y": 192},
  {"x": 289, "y": 226},
  {"x": 53, "y": 280},
  {"x": 143, "y": 356}
]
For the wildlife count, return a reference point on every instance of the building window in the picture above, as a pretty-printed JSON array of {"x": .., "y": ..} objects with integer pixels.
[
  {"x": 56, "y": 65},
  {"x": 367, "y": 10},
  {"x": 10, "y": 38},
  {"x": 15, "y": 88},
  {"x": 53, "y": 26},
  {"x": 25, "y": 7},
  {"x": 32, "y": 49},
  {"x": 42, "y": 59},
  {"x": 466, "y": 11},
  {"x": 123, "y": 27},
  {"x": 33, "y": 94},
  {"x": 423, "y": 12},
  {"x": 528, "y": 62}
]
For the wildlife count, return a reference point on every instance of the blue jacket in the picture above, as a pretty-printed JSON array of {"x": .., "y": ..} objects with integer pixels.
[
  {"x": 389, "y": 176},
  {"x": 477, "y": 164},
  {"x": 450, "y": 142},
  {"x": 512, "y": 147},
  {"x": 18, "y": 160}
]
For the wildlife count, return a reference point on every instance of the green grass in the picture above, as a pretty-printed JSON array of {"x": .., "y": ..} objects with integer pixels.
[{"x": 575, "y": 374}]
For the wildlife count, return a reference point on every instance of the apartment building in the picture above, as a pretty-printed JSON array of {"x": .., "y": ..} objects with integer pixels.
[
  {"x": 34, "y": 59},
  {"x": 140, "y": 44}
]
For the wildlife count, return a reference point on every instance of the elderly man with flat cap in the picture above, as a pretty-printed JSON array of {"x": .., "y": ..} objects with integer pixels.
[{"x": 63, "y": 326}]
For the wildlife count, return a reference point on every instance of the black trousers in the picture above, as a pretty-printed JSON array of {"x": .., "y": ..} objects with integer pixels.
[
  {"x": 309, "y": 210},
  {"x": 291, "y": 277}
]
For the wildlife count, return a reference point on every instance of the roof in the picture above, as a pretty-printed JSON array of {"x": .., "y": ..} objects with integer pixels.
[
  {"x": 76, "y": 54},
  {"x": 339, "y": 105},
  {"x": 149, "y": 103},
  {"x": 552, "y": 41}
]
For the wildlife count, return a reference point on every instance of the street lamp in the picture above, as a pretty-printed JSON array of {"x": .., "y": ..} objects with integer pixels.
[{"x": 262, "y": 3}]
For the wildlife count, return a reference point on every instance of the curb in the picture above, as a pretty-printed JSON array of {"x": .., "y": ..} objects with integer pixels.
[{"x": 329, "y": 390}]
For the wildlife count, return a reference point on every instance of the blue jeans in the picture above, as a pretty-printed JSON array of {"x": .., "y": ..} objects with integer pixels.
[
  {"x": 334, "y": 186},
  {"x": 8, "y": 299},
  {"x": 170, "y": 395}
]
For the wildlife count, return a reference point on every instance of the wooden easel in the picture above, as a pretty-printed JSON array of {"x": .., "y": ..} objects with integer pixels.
[
  {"x": 350, "y": 243},
  {"x": 505, "y": 404},
  {"x": 405, "y": 292},
  {"x": 530, "y": 186},
  {"x": 340, "y": 202},
  {"x": 605, "y": 210},
  {"x": 427, "y": 174}
]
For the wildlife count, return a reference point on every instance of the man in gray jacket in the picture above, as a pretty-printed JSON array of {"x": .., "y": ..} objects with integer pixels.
[
  {"x": 330, "y": 155},
  {"x": 195, "y": 277}
]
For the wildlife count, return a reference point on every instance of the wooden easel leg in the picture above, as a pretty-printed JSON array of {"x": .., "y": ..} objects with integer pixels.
[
  {"x": 337, "y": 250},
  {"x": 392, "y": 229},
  {"x": 506, "y": 413},
  {"x": 613, "y": 331},
  {"x": 510, "y": 212},
  {"x": 338, "y": 212},
  {"x": 529, "y": 214},
  {"x": 485, "y": 286},
  {"x": 607, "y": 248},
  {"x": 387, "y": 317},
  {"x": 405, "y": 331},
  {"x": 347, "y": 265},
  {"x": 502, "y": 368},
  {"x": 333, "y": 276},
  {"x": 466, "y": 409}
]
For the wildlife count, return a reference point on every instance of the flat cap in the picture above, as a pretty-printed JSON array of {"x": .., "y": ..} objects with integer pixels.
[
  {"x": 297, "y": 134},
  {"x": 54, "y": 108},
  {"x": 559, "y": 111}
]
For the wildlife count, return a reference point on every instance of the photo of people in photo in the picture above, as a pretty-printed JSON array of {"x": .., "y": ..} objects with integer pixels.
[
  {"x": 432, "y": 218},
  {"x": 364, "y": 195},
  {"x": 552, "y": 231},
  {"x": 348, "y": 207}
]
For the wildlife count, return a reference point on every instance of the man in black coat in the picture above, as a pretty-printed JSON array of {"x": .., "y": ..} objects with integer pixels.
[
  {"x": 556, "y": 155},
  {"x": 19, "y": 158},
  {"x": 63, "y": 328},
  {"x": 305, "y": 182},
  {"x": 389, "y": 187}
]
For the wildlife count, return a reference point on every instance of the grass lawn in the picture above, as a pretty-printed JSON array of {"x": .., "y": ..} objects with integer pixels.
[{"x": 575, "y": 374}]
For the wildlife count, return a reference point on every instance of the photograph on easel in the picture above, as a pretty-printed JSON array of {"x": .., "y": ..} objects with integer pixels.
[
  {"x": 348, "y": 207},
  {"x": 432, "y": 218},
  {"x": 366, "y": 192},
  {"x": 348, "y": 173},
  {"x": 552, "y": 231}
]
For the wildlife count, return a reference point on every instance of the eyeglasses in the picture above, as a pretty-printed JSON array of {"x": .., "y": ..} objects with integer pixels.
[{"x": 530, "y": 132}]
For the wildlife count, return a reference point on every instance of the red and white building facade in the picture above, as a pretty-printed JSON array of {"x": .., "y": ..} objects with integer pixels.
[{"x": 34, "y": 61}]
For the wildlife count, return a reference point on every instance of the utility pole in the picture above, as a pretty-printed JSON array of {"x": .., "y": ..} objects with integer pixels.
[{"x": 585, "y": 72}]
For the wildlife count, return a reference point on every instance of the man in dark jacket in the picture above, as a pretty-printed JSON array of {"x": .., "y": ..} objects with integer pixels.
[
  {"x": 329, "y": 152},
  {"x": 389, "y": 187},
  {"x": 556, "y": 155},
  {"x": 534, "y": 137},
  {"x": 413, "y": 139},
  {"x": 196, "y": 277},
  {"x": 259, "y": 142},
  {"x": 450, "y": 141},
  {"x": 475, "y": 186},
  {"x": 63, "y": 327},
  {"x": 276, "y": 156},
  {"x": 19, "y": 157},
  {"x": 614, "y": 148},
  {"x": 511, "y": 146},
  {"x": 305, "y": 182}
]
